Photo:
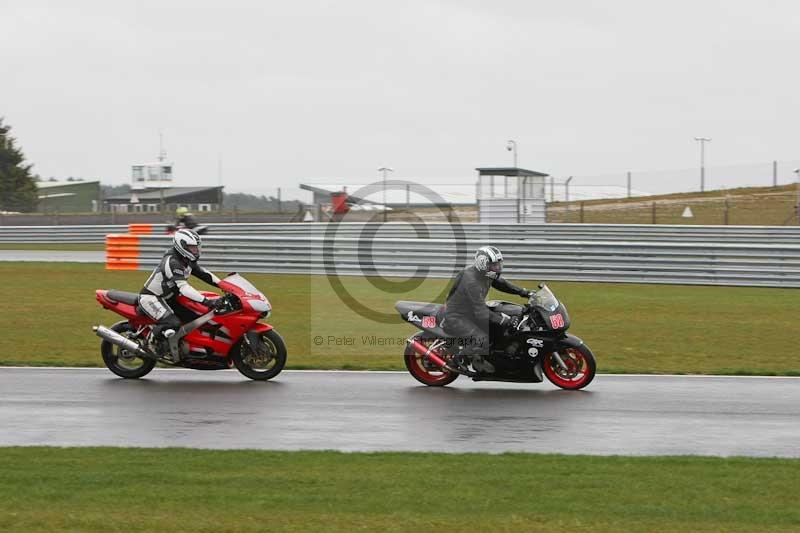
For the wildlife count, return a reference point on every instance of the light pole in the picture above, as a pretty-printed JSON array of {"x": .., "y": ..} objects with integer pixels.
[
  {"x": 384, "y": 170},
  {"x": 511, "y": 146},
  {"x": 703, "y": 141}
]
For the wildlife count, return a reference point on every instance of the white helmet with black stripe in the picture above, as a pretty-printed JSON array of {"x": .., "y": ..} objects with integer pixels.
[
  {"x": 187, "y": 243},
  {"x": 489, "y": 260}
]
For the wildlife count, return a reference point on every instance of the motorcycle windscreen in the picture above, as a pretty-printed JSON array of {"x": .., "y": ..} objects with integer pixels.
[
  {"x": 243, "y": 284},
  {"x": 545, "y": 299}
]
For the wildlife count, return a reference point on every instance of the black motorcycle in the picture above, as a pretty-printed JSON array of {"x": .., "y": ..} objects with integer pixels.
[
  {"x": 200, "y": 229},
  {"x": 538, "y": 345}
]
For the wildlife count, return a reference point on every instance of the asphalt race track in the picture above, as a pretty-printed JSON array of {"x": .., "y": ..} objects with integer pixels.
[
  {"x": 59, "y": 256},
  {"x": 661, "y": 415}
]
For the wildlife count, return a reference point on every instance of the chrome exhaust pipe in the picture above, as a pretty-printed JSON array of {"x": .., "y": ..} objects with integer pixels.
[
  {"x": 430, "y": 353},
  {"x": 115, "y": 338}
]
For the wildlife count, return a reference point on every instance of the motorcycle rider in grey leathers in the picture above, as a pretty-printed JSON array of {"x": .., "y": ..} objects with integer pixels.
[{"x": 466, "y": 314}]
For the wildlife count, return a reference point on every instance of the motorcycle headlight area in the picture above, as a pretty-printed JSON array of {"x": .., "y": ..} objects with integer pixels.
[{"x": 261, "y": 306}]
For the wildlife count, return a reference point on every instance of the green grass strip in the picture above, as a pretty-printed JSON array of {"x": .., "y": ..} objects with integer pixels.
[{"x": 122, "y": 489}]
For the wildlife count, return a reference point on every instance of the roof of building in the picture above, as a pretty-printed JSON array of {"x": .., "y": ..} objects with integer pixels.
[
  {"x": 407, "y": 193},
  {"x": 509, "y": 171},
  {"x": 49, "y": 184},
  {"x": 158, "y": 194},
  {"x": 319, "y": 190}
]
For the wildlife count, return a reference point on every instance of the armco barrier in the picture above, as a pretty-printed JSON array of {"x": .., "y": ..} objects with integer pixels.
[
  {"x": 775, "y": 265},
  {"x": 58, "y": 234},
  {"x": 555, "y": 232}
]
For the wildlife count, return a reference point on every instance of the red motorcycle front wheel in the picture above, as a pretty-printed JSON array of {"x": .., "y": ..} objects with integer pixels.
[{"x": 578, "y": 370}]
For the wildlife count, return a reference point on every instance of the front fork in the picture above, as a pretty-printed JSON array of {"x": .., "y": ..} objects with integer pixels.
[{"x": 560, "y": 361}]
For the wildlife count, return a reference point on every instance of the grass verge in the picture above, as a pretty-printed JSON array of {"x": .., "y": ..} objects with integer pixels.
[
  {"x": 103, "y": 489},
  {"x": 631, "y": 328}
]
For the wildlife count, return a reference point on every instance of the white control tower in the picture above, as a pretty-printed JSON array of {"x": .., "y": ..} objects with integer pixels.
[{"x": 156, "y": 175}]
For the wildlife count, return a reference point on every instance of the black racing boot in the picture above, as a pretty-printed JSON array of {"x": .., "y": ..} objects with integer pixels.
[{"x": 481, "y": 365}]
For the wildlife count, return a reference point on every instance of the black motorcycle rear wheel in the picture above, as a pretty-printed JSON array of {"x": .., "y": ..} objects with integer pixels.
[
  {"x": 119, "y": 361},
  {"x": 263, "y": 364},
  {"x": 423, "y": 371}
]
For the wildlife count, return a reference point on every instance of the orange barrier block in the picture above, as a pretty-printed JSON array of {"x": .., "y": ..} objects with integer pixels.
[
  {"x": 140, "y": 229},
  {"x": 122, "y": 252}
]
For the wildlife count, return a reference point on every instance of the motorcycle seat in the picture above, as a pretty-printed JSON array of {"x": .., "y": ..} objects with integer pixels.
[
  {"x": 130, "y": 298},
  {"x": 426, "y": 316},
  {"x": 419, "y": 308}
]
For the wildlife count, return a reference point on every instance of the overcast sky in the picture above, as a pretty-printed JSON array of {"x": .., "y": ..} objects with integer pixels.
[{"x": 304, "y": 90}]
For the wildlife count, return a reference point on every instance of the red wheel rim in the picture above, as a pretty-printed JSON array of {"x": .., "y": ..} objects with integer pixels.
[
  {"x": 418, "y": 368},
  {"x": 577, "y": 374}
]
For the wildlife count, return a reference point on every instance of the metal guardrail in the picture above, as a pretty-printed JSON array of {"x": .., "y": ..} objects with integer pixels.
[
  {"x": 555, "y": 232},
  {"x": 774, "y": 265},
  {"x": 58, "y": 234}
]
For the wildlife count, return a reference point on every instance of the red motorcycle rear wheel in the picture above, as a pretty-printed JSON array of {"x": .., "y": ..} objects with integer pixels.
[
  {"x": 580, "y": 371},
  {"x": 425, "y": 372}
]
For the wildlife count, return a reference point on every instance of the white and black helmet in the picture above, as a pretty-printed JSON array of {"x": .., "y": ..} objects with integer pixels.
[
  {"x": 489, "y": 260},
  {"x": 187, "y": 243}
]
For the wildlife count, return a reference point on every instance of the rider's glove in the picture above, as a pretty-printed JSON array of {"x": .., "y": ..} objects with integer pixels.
[
  {"x": 216, "y": 304},
  {"x": 526, "y": 293}
]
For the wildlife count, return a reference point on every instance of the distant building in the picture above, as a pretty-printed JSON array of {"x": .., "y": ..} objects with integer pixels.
[
  {"x": 508, "y": 195},
  {"x": 152, "y": 191},
  {"x": 198, "y": 199},
  {"x": 68, "y": 196}
]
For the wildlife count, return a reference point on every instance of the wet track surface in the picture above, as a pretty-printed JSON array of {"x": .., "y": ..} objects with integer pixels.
[
  {"x": 662, "y": 415},
  {"x": 60, "y": 256}
]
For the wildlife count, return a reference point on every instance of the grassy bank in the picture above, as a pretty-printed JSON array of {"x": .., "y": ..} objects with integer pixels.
[
  {"x": 102, "y": 489},
  {"x": 631, "y": 328},
  {"x": 758, "y": 206}
]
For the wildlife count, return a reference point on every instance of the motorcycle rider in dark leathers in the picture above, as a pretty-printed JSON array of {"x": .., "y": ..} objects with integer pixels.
[
  {"x": 159, "y": 295},
  {"x": 466, "y": 314},
  {"x": 184, "y": 219}
]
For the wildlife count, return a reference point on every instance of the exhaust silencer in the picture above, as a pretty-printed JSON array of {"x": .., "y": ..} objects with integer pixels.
[
  {"x": 430, "y": 353},
  {"x": 115, "y": 338}
]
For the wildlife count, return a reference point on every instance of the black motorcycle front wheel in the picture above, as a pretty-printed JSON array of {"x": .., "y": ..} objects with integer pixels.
[
  {"x": 576, "y": 372},
  {"x": 120, "y": 361},
  {"x": 261, "y": 362}
]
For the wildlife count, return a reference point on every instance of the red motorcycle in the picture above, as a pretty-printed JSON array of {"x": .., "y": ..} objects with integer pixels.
[{"x": 208, "y": 340}]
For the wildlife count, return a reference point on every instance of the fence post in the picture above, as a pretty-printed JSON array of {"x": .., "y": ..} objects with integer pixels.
[
  {"x": 629, "y": 184},
  {"x": 581, "y": 212},
  {"x": 727, "y": 208},
  {"x": 408, "y": 195},
  {"x": 654, "y": 212},
  {"x": 774, "y": 173}
]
